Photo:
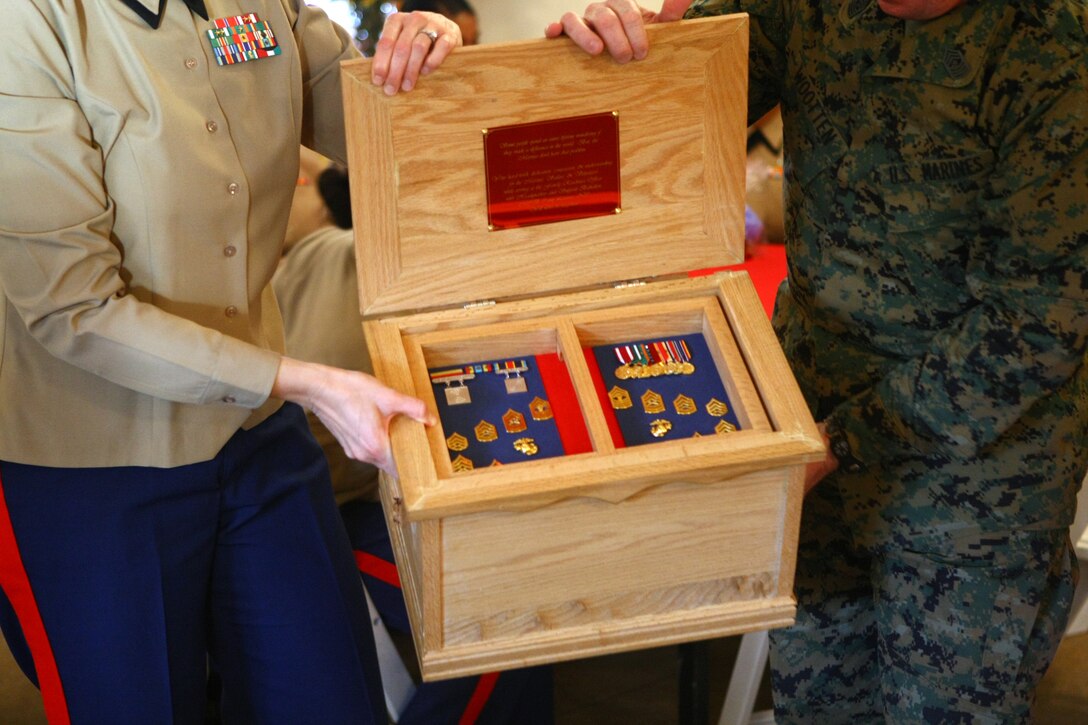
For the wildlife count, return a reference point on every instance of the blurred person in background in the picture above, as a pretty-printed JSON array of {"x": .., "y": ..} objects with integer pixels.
[{"x": 459, "y": 11}]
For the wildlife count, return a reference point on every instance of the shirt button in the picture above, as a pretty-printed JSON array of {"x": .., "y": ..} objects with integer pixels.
[
  {"x": 233, "y": 188},
  {"x": 229, "y": 250},
  {"x": 190, "y": 63},
  {"x": 231, "y": 311},
  {"x": 212, "y": 126},
  {"x": 228, "y": 398}
]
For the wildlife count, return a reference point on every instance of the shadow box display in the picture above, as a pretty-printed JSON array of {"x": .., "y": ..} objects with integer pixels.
[{"x": 621, "y": 446}]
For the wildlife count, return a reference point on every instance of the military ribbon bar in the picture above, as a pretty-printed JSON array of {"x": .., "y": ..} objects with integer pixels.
[{"x": 241, "y": 38}]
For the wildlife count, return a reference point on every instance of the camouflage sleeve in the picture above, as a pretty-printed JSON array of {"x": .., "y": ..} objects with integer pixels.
[
  {"x": 1028, "y": 270},
  {"x": 766, "y": 52}
]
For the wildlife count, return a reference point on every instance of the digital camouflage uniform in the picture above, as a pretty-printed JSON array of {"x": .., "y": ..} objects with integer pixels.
[{"x": 936, "y": 311}]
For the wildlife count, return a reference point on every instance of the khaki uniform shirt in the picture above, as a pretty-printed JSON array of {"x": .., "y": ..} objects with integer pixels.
[
  {"x": 144, "y": 192},
  {"x": 318, "y": 289}
]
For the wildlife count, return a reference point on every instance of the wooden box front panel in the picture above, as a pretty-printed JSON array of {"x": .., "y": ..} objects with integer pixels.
[
  {"x": 585, "y": 577},
  {"x": 582, "y": 562}
]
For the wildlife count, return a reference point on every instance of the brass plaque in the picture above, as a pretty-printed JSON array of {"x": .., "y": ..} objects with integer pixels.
[{"x": 551, "y": 171}]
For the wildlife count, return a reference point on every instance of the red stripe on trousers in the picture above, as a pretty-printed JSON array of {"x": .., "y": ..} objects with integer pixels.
[
  {"x": 16, "y": 585},
  {"x": 387, "y": 572},
  {"x": 378, "y": 568},
  {"x": 479, "y": 698}
]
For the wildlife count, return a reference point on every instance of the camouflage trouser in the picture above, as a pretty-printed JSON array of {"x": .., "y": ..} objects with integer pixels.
[{"x": 956, "y": 633}]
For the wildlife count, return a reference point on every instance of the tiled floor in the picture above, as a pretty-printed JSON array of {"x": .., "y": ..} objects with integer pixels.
[{"x": 642, "y": 687}]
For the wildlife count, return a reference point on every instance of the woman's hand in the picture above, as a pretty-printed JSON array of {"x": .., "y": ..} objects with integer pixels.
[
  {"x": 355, "y": 407},
  {"x": 411, "y": 44}
]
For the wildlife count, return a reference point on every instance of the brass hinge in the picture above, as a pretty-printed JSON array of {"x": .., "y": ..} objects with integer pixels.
[
  {"x": 480, "y": 304},
  {"x": 629, "y": 283}
]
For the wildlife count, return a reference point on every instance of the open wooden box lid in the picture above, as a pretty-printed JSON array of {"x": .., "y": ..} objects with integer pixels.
[{"x": 670, "y": 127}]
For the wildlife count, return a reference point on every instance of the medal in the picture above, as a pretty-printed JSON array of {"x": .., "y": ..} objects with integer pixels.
[
  {"x": 654, "y": 359},
  {"x": 634, "y": 361},
  {"x": 455, "y": 394},
  {"x": 683, "y": 355},
  {"x": 517, "y": 383},
  {"x": 666, "y": 364},
  {"x": 458, "y": 395}
]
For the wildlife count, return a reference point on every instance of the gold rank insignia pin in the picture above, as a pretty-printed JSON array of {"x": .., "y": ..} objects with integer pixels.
[
  {"x": 716, "y": 408},
  {"x": 540, "y": 409},
  {"x": 653, "y": 402},
  {"x": 513, "y": 421},
  {"x": 457, "y": 442},
  {"x": 461, "y": 464},
  {"x": 725, "y": 427},
  {"x": 684, "y": 405},
  {"x": 486, "y": 432},
  {"x": 621, "y": 399}
]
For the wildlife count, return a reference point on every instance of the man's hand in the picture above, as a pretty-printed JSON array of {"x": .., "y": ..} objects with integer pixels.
[
  {"x": 615, "y": 25},
  {"x": 411, "y": 44},
  {"x": 355, "y": 407}
]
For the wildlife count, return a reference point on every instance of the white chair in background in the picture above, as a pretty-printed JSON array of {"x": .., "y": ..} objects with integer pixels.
[
  {"x": 740, "y": 698},
  {"x": 1078, "y": 617},
  {"x": 396, "y": 680}
]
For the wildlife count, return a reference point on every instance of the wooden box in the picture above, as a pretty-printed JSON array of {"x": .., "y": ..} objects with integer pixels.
[{"x": 619, "y": 547}]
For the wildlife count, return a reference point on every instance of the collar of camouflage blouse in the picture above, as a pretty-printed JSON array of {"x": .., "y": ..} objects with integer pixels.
[
  {"x": 151, "y": 10},
  {"x": 919, "y": 9}
]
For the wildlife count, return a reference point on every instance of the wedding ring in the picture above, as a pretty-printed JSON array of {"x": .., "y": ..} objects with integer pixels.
[{"x": 432, "y": 34}]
